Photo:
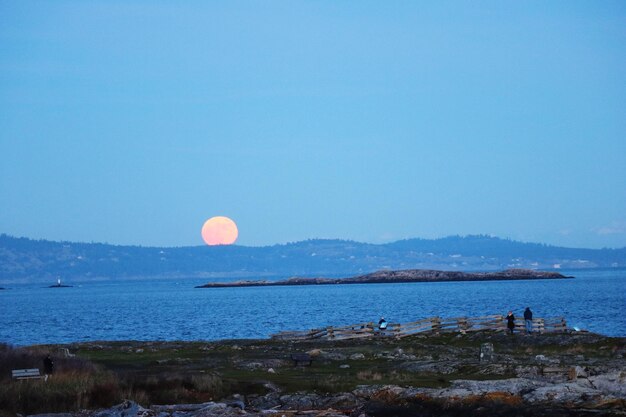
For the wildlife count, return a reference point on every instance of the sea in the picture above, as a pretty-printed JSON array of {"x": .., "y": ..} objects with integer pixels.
[{"x": 594, "y": 300}]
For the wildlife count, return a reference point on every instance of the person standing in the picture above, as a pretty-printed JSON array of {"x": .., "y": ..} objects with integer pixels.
[
  {"x": 510, "y": 322},
  {"x": 528, "y": 319},
  {"x": 48, "y": 366}
]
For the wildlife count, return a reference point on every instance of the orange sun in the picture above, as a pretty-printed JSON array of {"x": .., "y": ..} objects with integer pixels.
[{"x": 219, "y": 230}]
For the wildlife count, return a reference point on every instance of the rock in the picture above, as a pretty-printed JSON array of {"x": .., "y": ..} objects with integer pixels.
[
  {"x": 545, "y": 359},
  {"x": 613, "y": 383},
  {"x": 344, "y": 366},
  {"x": 333, "y": 356},
  {"x": 300, "y": 401},
  {"x": 265, "y": 402},
  {"x": 180, "y": 407},
  {"x": 271, "y": 371},
  {"x": 513, "y": 386},
  {"x": 315, "y": 352},
  {"x": 236, "y": 402},
  {"x": 357, "y": 356},
  {"x": 343, "y": 401},
  {"x": 125, "y": 409},
  {"x": 571, "y": 392},
  {"x": 218, "y": 409}
]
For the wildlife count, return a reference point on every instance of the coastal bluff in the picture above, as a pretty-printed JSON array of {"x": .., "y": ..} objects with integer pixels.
[{"x": 399, "y": 276}]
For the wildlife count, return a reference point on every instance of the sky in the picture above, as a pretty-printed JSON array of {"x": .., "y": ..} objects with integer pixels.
[{"x": 133, "y": 122}]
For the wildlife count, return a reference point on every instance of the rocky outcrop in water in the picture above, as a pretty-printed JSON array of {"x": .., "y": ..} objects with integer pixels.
[{"x": 407, "y": 275}]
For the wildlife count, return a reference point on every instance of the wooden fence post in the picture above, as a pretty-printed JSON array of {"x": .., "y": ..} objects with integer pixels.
[
  {"x": 564, "y": 324},
  {"x": 462, "y": 325},
  {"x": 436, "y": 325},
  {"x": 542, "y": 326},
  {"x": 500, "y": 324},
  {"x": 331, "y": 334},
  {"x": 397, "y": 330}
]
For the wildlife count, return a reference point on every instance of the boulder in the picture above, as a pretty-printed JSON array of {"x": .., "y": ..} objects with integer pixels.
[
  {"x": 125, "y": 409},
  {"x": 612, "y": 383}
]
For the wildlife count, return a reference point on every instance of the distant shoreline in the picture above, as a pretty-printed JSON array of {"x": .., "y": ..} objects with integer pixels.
[{"x": 400, "y": 276}]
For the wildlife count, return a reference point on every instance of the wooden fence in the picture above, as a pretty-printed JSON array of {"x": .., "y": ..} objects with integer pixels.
[{"x": 432, "y": 325}]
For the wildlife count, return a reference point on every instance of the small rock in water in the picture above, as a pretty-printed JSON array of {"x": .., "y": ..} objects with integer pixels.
[
  {"x": 344, "y": 366},
  {"x": 357, "y": 356},
  {"x": 271, "y": 371}
]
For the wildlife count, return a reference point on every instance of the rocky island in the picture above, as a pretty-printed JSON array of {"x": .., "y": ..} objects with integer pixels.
[{"x": 400, "y": 276}]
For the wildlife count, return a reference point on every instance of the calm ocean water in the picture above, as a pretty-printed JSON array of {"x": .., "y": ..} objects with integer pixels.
[{"x": 175, "y": 310}]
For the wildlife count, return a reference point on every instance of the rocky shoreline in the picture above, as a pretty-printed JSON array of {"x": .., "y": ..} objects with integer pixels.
[
  {"x": 399, "y": 276},
  {"x": 565, "y": 374}
]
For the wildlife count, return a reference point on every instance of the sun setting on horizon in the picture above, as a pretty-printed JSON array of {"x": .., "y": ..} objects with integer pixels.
[{"x": 219, "y": 230}]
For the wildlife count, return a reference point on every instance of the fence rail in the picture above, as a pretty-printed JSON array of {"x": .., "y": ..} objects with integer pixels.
[{"x": 432, "y": 325}]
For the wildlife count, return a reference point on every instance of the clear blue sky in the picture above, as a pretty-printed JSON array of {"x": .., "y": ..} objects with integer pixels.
[{"x": 132, "y": 122}]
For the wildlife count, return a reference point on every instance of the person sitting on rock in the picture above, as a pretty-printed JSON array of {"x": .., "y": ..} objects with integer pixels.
[
  {"x": 510, "y": 322},
  {"x": 382, "y": 323}
]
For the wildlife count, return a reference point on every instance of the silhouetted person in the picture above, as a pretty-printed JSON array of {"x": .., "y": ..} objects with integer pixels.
[
  {"x": 48, "y": 365},
  {"x": 528, "y": 319},
  {"x": 510, "y": 322}
]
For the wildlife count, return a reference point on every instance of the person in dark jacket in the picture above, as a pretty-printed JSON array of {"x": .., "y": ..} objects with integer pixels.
[
  {"x": 48, "y": 365},
  {"x": 528, "y": 319},
  {"x": 382, "y": 323},
  {"x": 510, "y": 322}
]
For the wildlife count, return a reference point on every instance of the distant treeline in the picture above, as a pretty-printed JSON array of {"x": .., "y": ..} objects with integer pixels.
[{"x": 27, "y": 260}]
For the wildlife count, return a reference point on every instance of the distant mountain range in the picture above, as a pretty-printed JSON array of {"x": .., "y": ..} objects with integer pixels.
[{"x": 25, "y": 260}]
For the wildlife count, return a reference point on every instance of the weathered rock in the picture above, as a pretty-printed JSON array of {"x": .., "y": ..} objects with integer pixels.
[
  {"x": 125, "y": 409},
  {"x": 315, "y": 352},
  {"x": 179, "y": 407},
  {"x": 613, "y": 383},
  {"x": 300, "y": 401},
  {"x": 514, "y": 386},
  {"x": 357, "y": 356},
  {"x": 571, "y": 393}
]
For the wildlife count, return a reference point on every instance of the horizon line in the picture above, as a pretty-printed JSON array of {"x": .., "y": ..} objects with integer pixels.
[{"x": 488, "y": 236}]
